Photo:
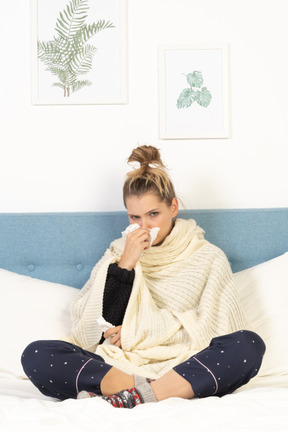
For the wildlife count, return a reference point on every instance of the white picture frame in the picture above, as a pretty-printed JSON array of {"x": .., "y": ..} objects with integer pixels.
[
  {"x": 194, "y": 91},
  {"x": 99, "y": 66}
]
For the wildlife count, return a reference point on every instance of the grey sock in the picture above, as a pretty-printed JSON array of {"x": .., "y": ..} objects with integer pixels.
[
  {"x": 141, "y": 384},
  {"x": 138, "y": 380}
]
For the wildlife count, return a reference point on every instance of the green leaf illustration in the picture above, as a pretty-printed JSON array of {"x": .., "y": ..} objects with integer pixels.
[
  {"x": 81, "y": 62},
  {"x": 194, "y": 93},
  {"x": 195, "y": 79},
  {"x": 203, "y": 97},
  {"x": 186, "y": 98},
  {"x": 86, "y": 32},
  {"x": 72, "y": 18},
  {"x": 68, "y": 54},
  {"x": 78, "y": 85}
]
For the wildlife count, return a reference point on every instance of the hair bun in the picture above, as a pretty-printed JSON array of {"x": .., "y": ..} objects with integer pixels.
[
  {"x": 151, "y": 177},
  {"x": 146, "y": 156}
]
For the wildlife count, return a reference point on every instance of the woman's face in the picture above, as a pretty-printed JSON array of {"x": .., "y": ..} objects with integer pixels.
[{"x": 147, "y": 211}]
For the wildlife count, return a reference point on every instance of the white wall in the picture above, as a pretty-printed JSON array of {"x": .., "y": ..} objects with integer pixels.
[{"x": 72, "y": 158}]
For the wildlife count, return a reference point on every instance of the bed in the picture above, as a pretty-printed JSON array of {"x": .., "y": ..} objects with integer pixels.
[{"x": 46, "y": 258}]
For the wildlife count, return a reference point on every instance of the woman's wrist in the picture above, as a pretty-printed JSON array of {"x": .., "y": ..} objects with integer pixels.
[
  {"x": 121, "y": 274},
  {"x": 126, "y": 265}
]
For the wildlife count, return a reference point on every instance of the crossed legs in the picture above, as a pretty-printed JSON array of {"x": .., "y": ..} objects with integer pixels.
[{"x": 62, "y": 370}]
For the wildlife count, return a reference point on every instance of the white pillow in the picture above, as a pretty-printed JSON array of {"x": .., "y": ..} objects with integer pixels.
[
  {"x": 263, "y": 292},
  {"x": 30, "y": 309}
]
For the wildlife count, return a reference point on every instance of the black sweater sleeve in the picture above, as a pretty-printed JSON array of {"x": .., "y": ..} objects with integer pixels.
[{"x": 117, "y": 292}]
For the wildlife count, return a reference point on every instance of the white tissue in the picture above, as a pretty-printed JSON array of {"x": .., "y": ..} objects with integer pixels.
[
  {"x": 153, "y": 232},
  {"x": 104, "y": 324},
  {"x": 129, "y": 229}
]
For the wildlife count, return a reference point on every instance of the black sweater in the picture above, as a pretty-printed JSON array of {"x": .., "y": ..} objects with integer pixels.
[{"x": 118, "y": 287}]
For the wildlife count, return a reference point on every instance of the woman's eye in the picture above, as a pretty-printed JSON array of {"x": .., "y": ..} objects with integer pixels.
[
  {"x": 154, "y": 214},
  {"x": 134, "y": 217}
]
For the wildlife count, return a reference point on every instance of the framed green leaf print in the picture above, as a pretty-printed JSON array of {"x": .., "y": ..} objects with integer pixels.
[
  {"x": 79, "y": 52},
  {"x": 194, "y": 91}
]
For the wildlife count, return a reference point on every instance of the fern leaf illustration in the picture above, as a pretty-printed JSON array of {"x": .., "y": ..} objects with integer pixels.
[
  {"x": 72, "y": 18},
  {"x": 86, "y": 32},
  {"x": 82, "y": 61},
  {"x": 65, "y": 77},
  {"x": 48, "y": 52},
  {"x": 68, "y": 54},
  {"x": 78, "y": 85}
]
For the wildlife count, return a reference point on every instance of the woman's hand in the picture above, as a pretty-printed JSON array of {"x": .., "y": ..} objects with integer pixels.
[
  {"x": 136, "y": 242},
  {"x": 114, "y": 333}
]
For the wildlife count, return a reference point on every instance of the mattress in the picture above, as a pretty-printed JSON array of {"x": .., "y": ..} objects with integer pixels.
[{"x": 261, "y": 405}]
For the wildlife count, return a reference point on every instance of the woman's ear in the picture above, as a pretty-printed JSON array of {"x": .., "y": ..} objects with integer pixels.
[{"x": 174, "y": 207}]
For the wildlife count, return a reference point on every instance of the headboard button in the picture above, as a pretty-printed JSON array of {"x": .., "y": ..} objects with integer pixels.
[
  {"x": 80, "y": 267},
  {"x": 31, "y": 267}
]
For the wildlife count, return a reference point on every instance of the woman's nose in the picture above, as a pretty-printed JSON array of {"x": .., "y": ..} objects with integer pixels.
[{"x": 144, "y": 224}]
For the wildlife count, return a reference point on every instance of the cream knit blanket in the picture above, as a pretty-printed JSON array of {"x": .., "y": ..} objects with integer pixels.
[{"x": 183, "y": 295}]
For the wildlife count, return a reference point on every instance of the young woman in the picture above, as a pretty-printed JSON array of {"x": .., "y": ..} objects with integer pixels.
[{"x": 177, "y": 329}]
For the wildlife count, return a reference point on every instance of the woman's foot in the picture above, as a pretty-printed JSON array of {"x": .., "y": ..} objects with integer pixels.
[{"x": 128, "y": 398}]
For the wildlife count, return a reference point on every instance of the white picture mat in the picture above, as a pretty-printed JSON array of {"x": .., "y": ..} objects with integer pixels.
[
  {"x": 196, "y": 121},
  {"x": 109, "y": 71}
]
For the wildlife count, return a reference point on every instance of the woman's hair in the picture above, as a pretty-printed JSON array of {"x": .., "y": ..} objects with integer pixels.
[{"x": 150, "y": 177}]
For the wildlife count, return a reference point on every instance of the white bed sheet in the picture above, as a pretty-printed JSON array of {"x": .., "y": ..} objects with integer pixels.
[{"x": 262, "y": 405}]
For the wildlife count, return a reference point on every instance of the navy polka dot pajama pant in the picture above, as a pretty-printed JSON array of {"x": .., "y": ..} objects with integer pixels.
[
  {"x": 229, "y": 362},
  {"x": 61, "y": 370}
]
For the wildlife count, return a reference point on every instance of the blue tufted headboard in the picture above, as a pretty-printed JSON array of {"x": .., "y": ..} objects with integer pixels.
[{"x": 64, "y": 247}]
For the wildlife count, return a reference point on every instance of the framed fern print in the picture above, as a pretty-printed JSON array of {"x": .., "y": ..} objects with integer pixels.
[
  {"x": 79, "y": 52},
  {"x": 193, "y": 91}
]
